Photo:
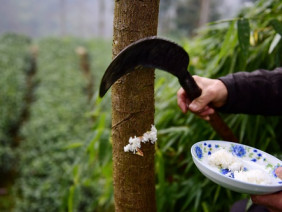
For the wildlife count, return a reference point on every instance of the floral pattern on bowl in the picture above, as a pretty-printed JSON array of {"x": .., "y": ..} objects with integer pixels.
[{"x": 252, "y": 158}]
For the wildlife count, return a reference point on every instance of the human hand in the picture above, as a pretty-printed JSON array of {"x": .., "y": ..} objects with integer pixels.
[
  {"x": 214, "y": 94},
  {"x": 273, "y": 202}
]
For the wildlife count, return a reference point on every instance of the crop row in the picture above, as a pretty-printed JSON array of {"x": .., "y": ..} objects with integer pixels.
[
  {"x": 57, "y": 123},
  {"x": 14, "y": 66}
]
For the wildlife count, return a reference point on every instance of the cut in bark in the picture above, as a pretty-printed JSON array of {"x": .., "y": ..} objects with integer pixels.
[{"x": 133, "y": 110}]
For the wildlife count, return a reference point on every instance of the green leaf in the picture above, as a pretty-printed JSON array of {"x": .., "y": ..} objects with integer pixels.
[
  {"x": 277, "y": 26},
  {"x": 197, "y": 199},
  {"x": 74, "y": 145},
  {"x": 103, "y": 151},
  {"x": 244, "y": 122},
  {"x": 274, "y": 43},
  {"x": 76, "y": 174},
  {"x": 205, "y": 207},
  {"x": 243, "y": 30},
  {"x": 216, "y": 194},
  {"x": 94, "y": 144},
  {"x": 160, "y": 169},
  {"x": 227, "y": 41},
  {"x": 70, "y": 199}
]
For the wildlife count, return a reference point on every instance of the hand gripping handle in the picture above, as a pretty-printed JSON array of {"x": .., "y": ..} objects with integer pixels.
[{"x": 193, "y": 91}]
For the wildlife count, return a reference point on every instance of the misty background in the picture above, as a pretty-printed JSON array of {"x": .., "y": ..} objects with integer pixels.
[{"x": 94, "y": 18}]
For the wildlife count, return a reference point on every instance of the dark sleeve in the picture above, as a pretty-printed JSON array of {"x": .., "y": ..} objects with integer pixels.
[{"x": 258, "y": 92}]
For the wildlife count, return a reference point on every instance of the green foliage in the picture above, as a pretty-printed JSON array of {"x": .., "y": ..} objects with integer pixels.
[
  {"x": 241, "y": 44},
  {"x": 100, "y": 57},
  {"x": 66, "y": 156},
  {"x": 96, "y": 162},
  {"x": 57, "y": 124},
  {"x": 186, "y": 18},
  {"x": 14, "y": 63},
  {"x": 220, "y": 49},
  {"x": 243, "y": 29}
]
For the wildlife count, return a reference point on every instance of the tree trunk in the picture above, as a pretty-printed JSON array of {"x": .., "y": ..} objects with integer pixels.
[
  {"x": 204, "y": 12},
  {"x": 101, "y": 16},
  {"x": 63, "y": 17},
  {"x": 133, "y": 110}
]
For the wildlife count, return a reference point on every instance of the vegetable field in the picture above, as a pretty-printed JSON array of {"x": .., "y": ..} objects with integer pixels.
[
  {"x": 55, "y": 141},
  {"x": 49, "y": 157},
  {"x": 14, "y": 64}
]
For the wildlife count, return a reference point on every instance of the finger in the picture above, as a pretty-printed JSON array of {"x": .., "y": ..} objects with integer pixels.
[
  {"x": 198, "y": 105},
  {"x": 278, "y": 172},
  {"x": 262, "y": 200},
  {"x": 182, "y": 100},
  {"x": 207, "y": 118},
  {"x": 273, "y": 201},
  {"x": 182, "y": 105},
  {"x": 207, "y": 111},
  {"x": 181, "y": 94}
]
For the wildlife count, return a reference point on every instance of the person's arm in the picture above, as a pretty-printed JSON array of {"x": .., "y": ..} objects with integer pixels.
[{"x": 258, "y": 92}]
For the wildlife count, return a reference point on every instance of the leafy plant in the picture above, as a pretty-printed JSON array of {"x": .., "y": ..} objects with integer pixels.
[
  {"x": 14, "y": 63},
  {"x": 223, "y": 47},
  {"x": 65, "y": 158},
  {"x": 65, "y": 166},
  {"x": 57, "y": 124}
]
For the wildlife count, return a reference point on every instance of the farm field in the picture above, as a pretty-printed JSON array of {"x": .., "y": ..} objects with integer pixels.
[
  {"x": 45, "y": 105},
  {"x": 55, "y": 132}
]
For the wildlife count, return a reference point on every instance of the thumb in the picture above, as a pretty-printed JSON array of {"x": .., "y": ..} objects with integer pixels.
[
  {"x": 198, "y": 104},
  {"x": 278, "y": 172}
]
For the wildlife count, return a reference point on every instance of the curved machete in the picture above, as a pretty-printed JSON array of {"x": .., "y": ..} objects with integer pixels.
[{"x": 154, "y": 52}]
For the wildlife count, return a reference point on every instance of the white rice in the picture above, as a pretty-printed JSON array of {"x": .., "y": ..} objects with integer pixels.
[
  {"x": 225, "y": 160},
  {"x": 256, "y": 176}
]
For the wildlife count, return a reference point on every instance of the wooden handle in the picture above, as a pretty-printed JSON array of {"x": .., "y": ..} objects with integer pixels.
[
  {"x": 221, "y": 128},
  {"x": 193, "y": 91}
]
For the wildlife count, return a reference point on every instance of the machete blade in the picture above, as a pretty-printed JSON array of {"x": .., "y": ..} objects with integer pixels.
[
  {"x": 153, "y": 52},
  {"x": 150, "y": 52}
]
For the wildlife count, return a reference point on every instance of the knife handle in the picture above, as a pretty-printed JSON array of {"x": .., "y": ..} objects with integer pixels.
[
  {"x": 193, "y": 91},
  {"x": 222, "y": 128}
]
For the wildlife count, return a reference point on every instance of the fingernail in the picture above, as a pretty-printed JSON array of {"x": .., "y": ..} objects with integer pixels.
[{"x": 193, "y": 107}]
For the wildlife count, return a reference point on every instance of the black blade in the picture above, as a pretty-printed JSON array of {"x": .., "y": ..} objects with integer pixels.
[{"x": 151, "y": 52}]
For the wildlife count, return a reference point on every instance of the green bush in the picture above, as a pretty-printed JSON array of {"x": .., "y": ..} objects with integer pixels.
[
  {"x": 66, "y": 158},
  {"x": 14, "y": 64},
  {"x": 95, "y": 164},
  {"x": 217, "y": 50},
  {"x": 57, "y": 124},
  {"x": 99, "y": 51}
]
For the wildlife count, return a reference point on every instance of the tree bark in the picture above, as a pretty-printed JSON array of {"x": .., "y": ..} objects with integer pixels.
[
  {"x": 204, "y": 12},
  {"x": 101, "y": 16},
  {"x": 63, "y": 17},
  {"x": 133, "y": 110}
]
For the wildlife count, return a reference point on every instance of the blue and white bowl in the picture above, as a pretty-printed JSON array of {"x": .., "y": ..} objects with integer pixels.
[{"x": 251, "y": 158}]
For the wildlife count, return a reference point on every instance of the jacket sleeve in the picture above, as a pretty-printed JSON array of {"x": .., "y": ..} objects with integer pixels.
[{"x": 258, "y": 92}]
